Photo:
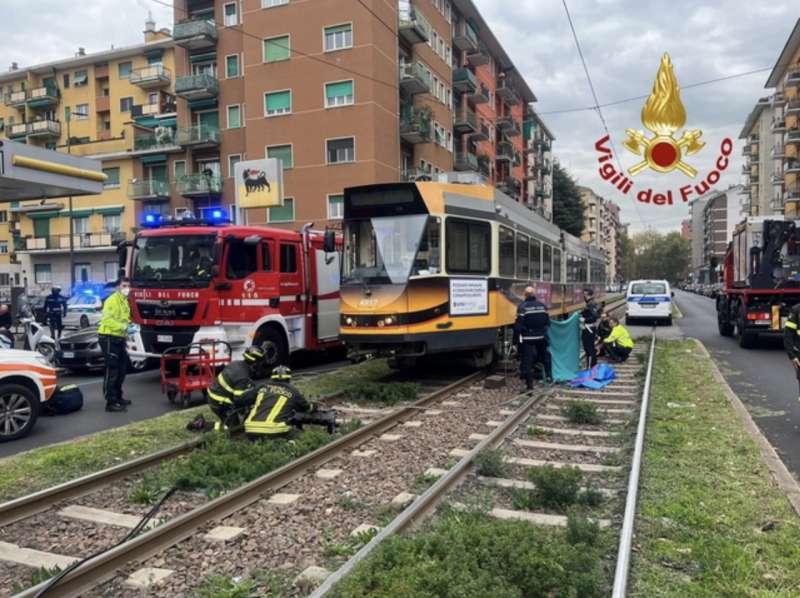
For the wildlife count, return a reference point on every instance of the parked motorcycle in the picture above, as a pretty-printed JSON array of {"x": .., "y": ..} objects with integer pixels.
[{"x": 36, "y": 339}]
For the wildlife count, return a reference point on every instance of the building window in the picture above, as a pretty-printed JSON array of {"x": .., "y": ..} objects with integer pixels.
[
  {"x": 81, "y": 111},
  {"x": 42, "y": 273},
  {"x": 284, "y": 213},
  {"x": 339, "y": 94},
  {"x": 232, "y": 66},
  {"x": 233, "y": 160},
  {"x": 112, "y": 180},
  {"x": 125, "y": 104},
  {"x": 124, "y": 70},
  {"x": 231, "y": 18},
  {"x": 111, "y": 270},
  {"x": 234, "y": 117},
  {"x": 273, "y": 3},
  {"x": 277, "y": 103},
  {"x": 179, "y": 169},
  {"x": 281, "y": 152},
  {"x": 338, "y": 37},
  {"x": 80, "y": 226},
  {"x": 3, "y": 216},
  {"x": 112, "y": 223},
  {"x": 276, "y": 49},
  {"x": 341, "y": 150},
  {"x": 335, "y": 207},
  {"x": 4, "y": 248},
  {"x": 5, "y": 279},
  {"x": 66, "y": 80},
  {"x": 81, "y": 78}
]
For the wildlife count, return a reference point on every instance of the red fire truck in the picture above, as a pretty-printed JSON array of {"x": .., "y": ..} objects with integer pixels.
[
  {"x": 197, "y": 280},
  {"x": 761, "y": 279}
]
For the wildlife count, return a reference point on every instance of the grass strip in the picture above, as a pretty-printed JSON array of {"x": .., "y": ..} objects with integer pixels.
[
  {"x": 711, "y": 521},
  {"x": 46, "y": 466}
]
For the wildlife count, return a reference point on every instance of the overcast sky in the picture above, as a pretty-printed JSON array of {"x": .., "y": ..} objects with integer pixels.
[{"x": 622, "y": 40}]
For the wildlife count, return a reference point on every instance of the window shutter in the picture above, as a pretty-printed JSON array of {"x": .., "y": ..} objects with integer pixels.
[
  {"x": 279, "y": 101},
  {"x": 276, "y": 49},
  {"x": 345, "y": 88},
  {"x": 338, "y": 29}
]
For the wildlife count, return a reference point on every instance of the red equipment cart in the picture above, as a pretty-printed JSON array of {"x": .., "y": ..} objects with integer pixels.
[{"x": 185, "y": 370}]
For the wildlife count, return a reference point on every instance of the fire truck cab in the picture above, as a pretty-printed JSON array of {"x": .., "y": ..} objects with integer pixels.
[{"x": 195, "y": 280}]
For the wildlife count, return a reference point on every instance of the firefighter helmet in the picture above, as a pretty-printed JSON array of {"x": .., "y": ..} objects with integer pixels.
[
  {"x": 281, "y": 373},
  {"x": 253, "y": 354}
]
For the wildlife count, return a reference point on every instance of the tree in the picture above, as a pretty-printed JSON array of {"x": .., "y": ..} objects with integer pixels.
[
  {"x": 626, "y": 260},
  {"x": 567, "y": 205},
  {"x": 659, "y": 255}
]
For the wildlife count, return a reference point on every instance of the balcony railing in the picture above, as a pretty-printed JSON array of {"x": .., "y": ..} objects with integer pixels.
[
  {"x": 16, "y": 98},
  {"x": 44, "y": 128},
  {"x": 778, "y": 152},
  {"x": 17, "y": 130},
  {"x": 505, "y": 151},
  {"x": 155, "y": 75},
  {"x": 464, "y": 37},
  {"x": 198, "y": 135},
  {"x": 792, "y": 193},
  {"x": 791, "y": 167},
  {"x": 478, "y": 57},
  {"x": 153, "y": 109},
  {"x": 778, "y": 125},
  {"x": 792, "y": 106},
  {"x": 778, "y": 98},
  {"x": 416, "y": 174},
  {"x": 148, "y": 190},
  {"x": 413, "y": 26},
  {"x": 43, "y": 97},
  {"x": 414, "y": 79},
  {"x": 480, "y": 95},
  {"x": 464, "y": 80},
  {"x": 80, "y": 241},
  {"x": 195, "y": 34},
  {"x": 465, "y": 120},
  {"x": 481, "y": 134},
  {"x": 197, "y": 87},
  {"x": 465, "y": 161},
  {"x": 509, "y": 186},
  {"x": 793, "y": 135},
  {"x": 506, "y": 92},
  {"x": 484, "y": 164},
  {"x": 162, "y": 139},
  {"x": 509, "y": 126},
  {"x": 415, "y": 125},
  {"x": 793, "y": 78},
  {"x": 197, "y": 185}
]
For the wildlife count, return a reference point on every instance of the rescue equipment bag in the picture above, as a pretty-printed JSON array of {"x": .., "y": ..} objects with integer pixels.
[{"x": 65, "y": 399}]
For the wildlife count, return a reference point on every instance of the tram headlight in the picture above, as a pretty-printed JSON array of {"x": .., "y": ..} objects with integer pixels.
[
  {"x": 389, "y": 321},
  {"x": 349, "y": 321}
]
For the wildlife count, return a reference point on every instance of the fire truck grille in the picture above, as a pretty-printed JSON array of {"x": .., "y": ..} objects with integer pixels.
[{"x": 167, "y": 310}]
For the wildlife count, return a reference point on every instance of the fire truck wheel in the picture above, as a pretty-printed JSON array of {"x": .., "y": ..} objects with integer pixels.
[
  {"x": 747, "y": 340},
  {"x": 274, "y": 347}
]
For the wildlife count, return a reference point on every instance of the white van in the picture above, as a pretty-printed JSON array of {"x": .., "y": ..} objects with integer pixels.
[{"x": 649, "y": 299}]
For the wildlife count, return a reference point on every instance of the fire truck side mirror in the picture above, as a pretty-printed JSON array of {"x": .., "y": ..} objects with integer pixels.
[
  {"x": 122, "y": 256},
  {"x": 329, "y": 244}
]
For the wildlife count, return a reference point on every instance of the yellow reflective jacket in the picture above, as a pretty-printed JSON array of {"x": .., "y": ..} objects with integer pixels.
[
  {"x": 621, "y": 335},
  {"x": 116, "y": 316}
]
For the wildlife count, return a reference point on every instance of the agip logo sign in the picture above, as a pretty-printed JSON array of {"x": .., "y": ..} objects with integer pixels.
[{"x": 663, "y": 115}]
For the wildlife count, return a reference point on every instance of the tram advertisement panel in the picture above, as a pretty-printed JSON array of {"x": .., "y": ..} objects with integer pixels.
[{"x": 469, "y": 296}]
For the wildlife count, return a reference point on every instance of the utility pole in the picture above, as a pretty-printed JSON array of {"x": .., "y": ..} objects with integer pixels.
[{"x": 71, "y": 227}]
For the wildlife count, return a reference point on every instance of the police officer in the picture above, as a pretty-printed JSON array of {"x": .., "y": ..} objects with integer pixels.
[
  {"x": 55, "y": 307},
  {"x": 590, "y": 315},
  {"x": 791, "y": 339},
  {"x": 531, "y": 330},
  {"x": 234, "y": 390},
  {"x": 113, "y": 331},
  {"x": 278, "y": 407}
]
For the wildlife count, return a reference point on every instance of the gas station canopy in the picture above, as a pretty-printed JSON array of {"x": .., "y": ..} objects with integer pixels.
[{"x": 29, "y": 172}]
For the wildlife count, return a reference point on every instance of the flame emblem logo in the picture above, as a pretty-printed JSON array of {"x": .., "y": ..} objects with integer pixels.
[{"x": 663, "y": 114}]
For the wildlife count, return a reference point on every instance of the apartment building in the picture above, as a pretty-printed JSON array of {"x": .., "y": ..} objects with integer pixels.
[
  {"x": 686, "y": 229},
  {"x": 602, "y": 228},
  {"x": 539, "y": 168},
  {"x": 785, "y": 128},
  {"x": 721, "y": 213},
  {"x": 344, "y": 94},
  {"x": 115, "y": 106},
  {"x": 699, "y": 268},
  {"x": 760, "y": 153}
]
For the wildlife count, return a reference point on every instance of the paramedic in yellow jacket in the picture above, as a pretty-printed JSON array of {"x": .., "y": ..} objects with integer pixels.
[
  {"x": 113, "y": 331},
  {"x": 618, "y": 344}
]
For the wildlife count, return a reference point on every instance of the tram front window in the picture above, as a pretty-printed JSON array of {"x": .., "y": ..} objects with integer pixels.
[{"x": 382, "y": 250}]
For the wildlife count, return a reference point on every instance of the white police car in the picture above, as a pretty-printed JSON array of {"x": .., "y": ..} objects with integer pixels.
[{"x": 649, "y": 299}]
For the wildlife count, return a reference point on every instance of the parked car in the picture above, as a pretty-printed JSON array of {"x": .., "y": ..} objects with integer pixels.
[
  {"x": 83, "y": 310},
  {"x": 80, "y": 351},
  {"x": 26, "y": 381},
  {"x": 650, "y": 299}
]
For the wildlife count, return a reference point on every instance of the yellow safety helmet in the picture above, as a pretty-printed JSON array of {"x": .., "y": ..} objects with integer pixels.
[
  {"x": 253, "y": 354},
  {"x": 281, "y": 373}
]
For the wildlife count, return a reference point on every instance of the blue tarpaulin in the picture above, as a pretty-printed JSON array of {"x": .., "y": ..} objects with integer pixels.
[
  {"x": 565, "y": 347},
  {"x": 595, "y": 378}
]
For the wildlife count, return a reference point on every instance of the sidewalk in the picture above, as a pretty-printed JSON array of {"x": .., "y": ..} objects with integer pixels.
[{"x": 712, "y": 518}]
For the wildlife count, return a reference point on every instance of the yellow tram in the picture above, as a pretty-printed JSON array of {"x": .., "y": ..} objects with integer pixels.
[{"x": 432, "y": 268}]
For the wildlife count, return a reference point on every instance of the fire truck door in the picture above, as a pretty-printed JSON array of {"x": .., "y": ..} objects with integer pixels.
[
  {"x": 241, "y": 281},
  {"x": 291, "y": 278}
]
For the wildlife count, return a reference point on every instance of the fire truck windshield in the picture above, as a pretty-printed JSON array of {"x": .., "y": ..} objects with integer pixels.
[{"x": 174, "y": 260}]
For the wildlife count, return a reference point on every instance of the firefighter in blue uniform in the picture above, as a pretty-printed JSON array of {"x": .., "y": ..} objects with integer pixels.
[{"x": 530, "y": 329}]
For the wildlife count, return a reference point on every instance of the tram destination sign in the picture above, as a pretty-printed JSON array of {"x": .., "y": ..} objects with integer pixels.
[{"x": 469, "y": 296}]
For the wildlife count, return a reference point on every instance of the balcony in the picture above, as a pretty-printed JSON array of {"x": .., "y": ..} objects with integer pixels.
[
  {"x": 506, "y": 92},
  {"x": 793, "y": 78},
  {"x": 465, "y": 38},
  {"x": 197, "y": 87},
  {"x": 415, "y": 174},
  {"x": 148, "y": 190},
  {"x": 776, "y": 178},
  {"x": 778, "y": 125},
  {"x": 480, "y": 95},
  {"x": 478, "y": 57},
  {"x": 195, "y": 34},
  {"x": 793, "y": 136},
  {"x": 44, "y": 129},
  {"x": 509, "y": 126},
  {"x": 16, "y": 99},
  {"x": 778, "y": 152},
  {"x": 199, "y": 185},
  {"x": 163, "y": 139},
  {"x": 510, "y": 186},
  {"x": 150, "y": 77},
  {"x": 546, "y": 167},
  {"x": 43, "y": 97},
  {"x": 414, "y": 79},
  {"x": 198, "y": 136},
  {"x": 792, "y": 193},
  {"x": 465, "y": 120},
  {"x": 484, "y": 164},
  {"x": 414, "y": 28},
  {"x": 778, "y": 99},
  {"x": 465, "y": 161},
  {"x": 17, "y": 130},
  {"x": 792, "y": 107},
  {"x": 505, "y": 152},
  {"x": 464, "y": 80},
  {"x": 791, "y": 167},
  {"x": 481, "y": 134},
  {"x": 98, "y": 241},
  {"x": 165, "y": 106},
  {"x": 415, "y": 125},
  {"x": 102, "y": 104}
]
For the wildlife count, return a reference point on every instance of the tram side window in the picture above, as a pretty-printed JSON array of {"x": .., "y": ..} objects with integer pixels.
[
  {"x": 583, "y": 269},
  {"x": 428, "y": 255},
  {"x": 468, "y": 247},
  {"x": 547, "y": 263},
  {"x": 556, "y": 265},
  {"x": 242, "y": 260},
  {"x": 506, "y": 252},
  {"x": 523, "y": 257},
  {"x": 536, "y": 260}
]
